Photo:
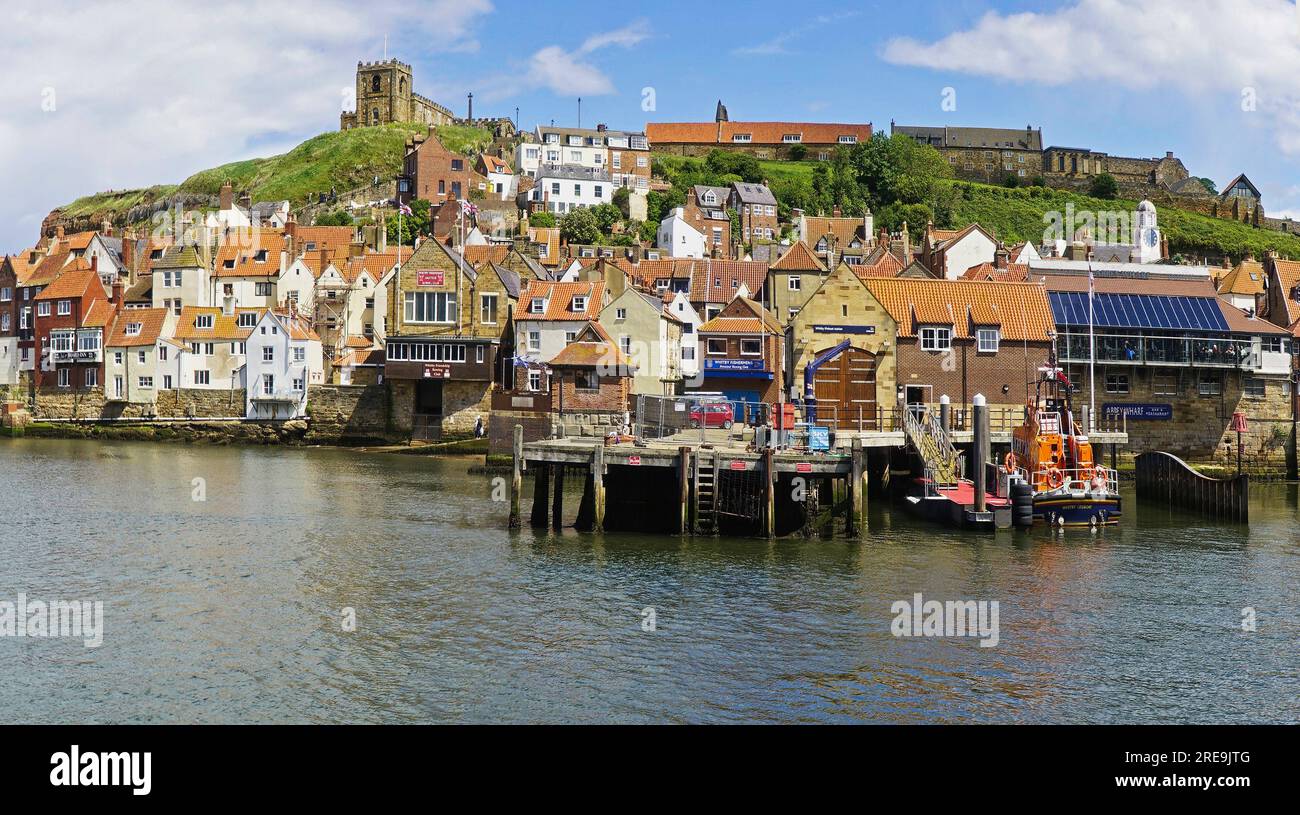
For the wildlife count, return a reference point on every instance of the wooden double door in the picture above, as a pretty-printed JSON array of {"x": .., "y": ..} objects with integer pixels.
[{"x": 845, "y": 389}]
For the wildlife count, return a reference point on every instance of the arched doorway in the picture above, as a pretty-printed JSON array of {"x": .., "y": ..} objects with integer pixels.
[{"x": 845, "y": 389}]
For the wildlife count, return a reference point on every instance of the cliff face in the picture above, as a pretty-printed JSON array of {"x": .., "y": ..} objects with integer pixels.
[{"x": 122, "y": 209}]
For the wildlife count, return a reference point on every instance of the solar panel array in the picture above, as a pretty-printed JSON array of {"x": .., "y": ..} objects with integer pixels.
[{"x": 1070, "y": 308}]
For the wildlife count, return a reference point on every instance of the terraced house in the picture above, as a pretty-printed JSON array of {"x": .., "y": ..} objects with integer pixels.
[
  {"x": 449, "y": 332},
  {"x": 213, "y": 345},
  {"x": 140, "y": 360},
  {"x": 72, "y": 315}
]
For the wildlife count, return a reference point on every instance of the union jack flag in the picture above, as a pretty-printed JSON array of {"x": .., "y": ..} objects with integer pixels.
[
  {"x": 404, "y": 209},
  {"x": 468, "y": 207}
]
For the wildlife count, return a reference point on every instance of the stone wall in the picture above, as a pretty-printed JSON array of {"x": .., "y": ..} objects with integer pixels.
[
  {"x": 464, "y": 402},
  {"x": 347, "y": 413},
  {"x": 1198, "y": 431},
  {"x": 501, "y": 430},
  {"x": 90, "y": 404}
]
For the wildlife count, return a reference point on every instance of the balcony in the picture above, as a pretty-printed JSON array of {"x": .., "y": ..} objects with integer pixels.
[
  {"x": 1135, "y": 349},
  {"x": 283, "y": 396}
]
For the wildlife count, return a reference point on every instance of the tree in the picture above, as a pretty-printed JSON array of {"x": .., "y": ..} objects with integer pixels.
[
  {"x": 726, "y": 162},
  {"x": 623, "y": 200},
  {"x": 541, "y": 220},
  {"x": 606, "y": 216},
  {"x": 1011, "y": 181},
  {"x": 580, "y": 227},
  {"x": 338, "y": 217},
  {"x": 417, "y": 223},
  {"x": 1209, "y": 186},
  {"x": 1104, "y": 186}
]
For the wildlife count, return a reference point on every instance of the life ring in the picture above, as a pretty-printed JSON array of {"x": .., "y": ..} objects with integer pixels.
[
  {"x": 1055, "y": 478},
  {"x": 1010, "y": 462},
  {"x": 1099, "y": 480}
]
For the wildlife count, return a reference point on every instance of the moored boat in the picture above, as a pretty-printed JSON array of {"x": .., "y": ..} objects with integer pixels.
[{"x": 1051, "y": 453}]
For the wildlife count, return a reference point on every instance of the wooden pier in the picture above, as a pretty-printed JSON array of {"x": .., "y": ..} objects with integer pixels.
[
  {"x": 693, "y": 489},
  {"x": 1166, "y": 479}
]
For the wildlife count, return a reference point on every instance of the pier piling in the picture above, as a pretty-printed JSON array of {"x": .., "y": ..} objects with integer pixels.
[
  {"x": 541, "y": 486},
  {"x": 598, "y": 488},
  {"x": 683, "y": 489},
  {"x": 557, "y": 505},
  {"x": 517, "y": 477},
  {"x": 857, "y": 491},
  {"x": 769, "y": 494}
]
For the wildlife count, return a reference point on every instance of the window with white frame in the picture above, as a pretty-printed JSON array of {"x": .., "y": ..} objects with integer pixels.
[
  {"x": 579, "y": 303},
  {"x": 268, "y": 353},
  {"x": 751, "y": 348},
  {"x": 534, "y": 380},
  {"x": 430, "y": 307},
  {"x": 936, "y": 338},
  {"x": 203, "y": 321},
  {"x": 92, "y": 377},
  {"x": 717, "y": 346},
  {"x": 1209, "y": 386},
  {"x": 268, "y": 384},
  {"x": 987, "y": 340},
  {"x": 63, "y": 377},
  {"x": 145, "y": 382},
  {"x": 202, "y": 377},
  {"x": 299, "y": 353},
  {"x": 65, "y": 308},
  {"x": 488, "y": 310},
  {"x": 795, "y": 283},
  {"x": 534, "y": 341},
  {"x": 43, "y": 309}
]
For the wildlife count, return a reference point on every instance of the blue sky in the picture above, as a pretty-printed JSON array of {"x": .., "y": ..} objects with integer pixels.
[{"x": 1127, "y": 78}]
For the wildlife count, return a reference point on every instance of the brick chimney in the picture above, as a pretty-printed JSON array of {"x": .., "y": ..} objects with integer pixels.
[
  {"x": 117, "y": 293},
  {"x": 227, "y": 196},
  {"x": 1001, "y": 257},
  {"x": 128, "y": 251}
]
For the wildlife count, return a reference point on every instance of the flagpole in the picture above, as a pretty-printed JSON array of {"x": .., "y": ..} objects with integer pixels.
[{"x": 1092, "y": 358}]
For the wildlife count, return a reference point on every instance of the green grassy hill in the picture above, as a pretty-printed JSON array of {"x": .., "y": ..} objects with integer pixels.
[
  {"x": 1018, "y": 214},
  {"x": 340, "y": 160}
]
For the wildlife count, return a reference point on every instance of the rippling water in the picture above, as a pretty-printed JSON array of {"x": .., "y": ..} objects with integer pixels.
[{"x": 229, "y": 609}]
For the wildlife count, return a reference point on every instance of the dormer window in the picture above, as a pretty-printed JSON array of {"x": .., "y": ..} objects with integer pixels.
[
  {"x": 987, "y": 340},
  {"x": 260, "y": 256},
  {"x": 848, "y": 139},
  {"x": 155, "y": 254},
  {"x": 311, "y": 246},
  {"x": 247, "y": 319},
  {"x": 228, "y": 263},
  {"x": 579, "y": 303},
  {"x": 134, "y": 329},
  {"x": 792, "y": 138},
  {"x": 710, "y": 198},
  {"x": 203, "y": 321},
  {"x": 538, "y": 306},
  {"x": 936, "y": 338},
  {"x": 742, "y": 138}
]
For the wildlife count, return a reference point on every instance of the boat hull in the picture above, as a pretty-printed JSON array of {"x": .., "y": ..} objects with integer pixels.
[{"x": 1077, "y": 510}]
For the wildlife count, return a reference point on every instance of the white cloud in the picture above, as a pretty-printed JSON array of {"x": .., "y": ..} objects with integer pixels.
[
  {"x": 780, "y": 43},
  {"x": 152, "y": 94},
  {"x": 569, "y": 73},
  {"x": 1209, "y": 49}
]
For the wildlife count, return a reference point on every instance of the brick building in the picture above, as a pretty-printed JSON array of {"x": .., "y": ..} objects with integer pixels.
[
  {"x": 591, "y": 375},
  {"x": 72, "y": 315},
  {"x": 743, "y": 351},
  {"x": 432, "y": 172},
  {"x": 706, "y": 212},
  {"x": 764, "y": 140},
  {"x": 957, "y": 338},
  {"x": 757, "y": 208}
]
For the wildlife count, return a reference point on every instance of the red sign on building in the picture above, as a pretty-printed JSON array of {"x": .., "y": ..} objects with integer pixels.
[
  {"x": 803, "y": 467},
  {"x": 437, "y": 370},
  {"x": 737, "y": 465},
  {"x": 430, "y": 278},
  {"x": 634, "y": 461}
]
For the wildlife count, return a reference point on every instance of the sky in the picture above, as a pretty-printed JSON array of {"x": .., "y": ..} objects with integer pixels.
[{"x": 102, "y": 96}]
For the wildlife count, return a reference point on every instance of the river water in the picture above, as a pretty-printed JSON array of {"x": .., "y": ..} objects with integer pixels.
[{"x": 232, "y": 608}]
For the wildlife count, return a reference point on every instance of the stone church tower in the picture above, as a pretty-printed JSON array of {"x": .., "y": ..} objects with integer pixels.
[{"x": 385, "y": 93}]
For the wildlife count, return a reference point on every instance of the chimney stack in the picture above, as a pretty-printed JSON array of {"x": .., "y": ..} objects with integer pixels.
[
  {"x": 227, "y": 196},
  {"x": 117, "y": 293}
]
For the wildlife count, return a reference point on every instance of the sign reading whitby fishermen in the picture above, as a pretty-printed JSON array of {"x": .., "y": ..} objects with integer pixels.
[{"x": 1159, "y": 413}]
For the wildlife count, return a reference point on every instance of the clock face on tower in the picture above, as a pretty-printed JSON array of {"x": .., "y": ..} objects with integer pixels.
[{"x": 1149, "y": 237}]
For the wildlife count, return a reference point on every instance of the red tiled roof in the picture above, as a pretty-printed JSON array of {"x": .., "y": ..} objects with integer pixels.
[
  {"x": 559, "y": 300},
  {"x": 768, "y": 133},
  {"x": 78, "y": 281},
  {"x": 1021, "y": 309},
  {"x": 799, "y": 258},
  {"x": 149, "y": 320}
]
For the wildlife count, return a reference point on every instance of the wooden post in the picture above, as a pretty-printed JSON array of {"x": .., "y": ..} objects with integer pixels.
[
  {"x": 517, "y": 477},
  {"x": 769, "y": 494},
  {"x": 557, "y": 505},
  {"x": 826, "y": 506},
  {"x": 857, "y": 492},
  {"x": 683, "y": 489},
  {"x": 541, "y": 486},
  {"x": 717, "y": 494},
  {"x": 598, "y": 488}
]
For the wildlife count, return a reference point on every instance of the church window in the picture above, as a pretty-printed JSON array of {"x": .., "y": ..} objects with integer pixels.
[{"x": 374, "y": 83}]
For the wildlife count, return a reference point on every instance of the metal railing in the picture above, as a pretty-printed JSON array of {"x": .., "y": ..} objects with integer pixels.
[{"x": 1137, "y": 349}]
